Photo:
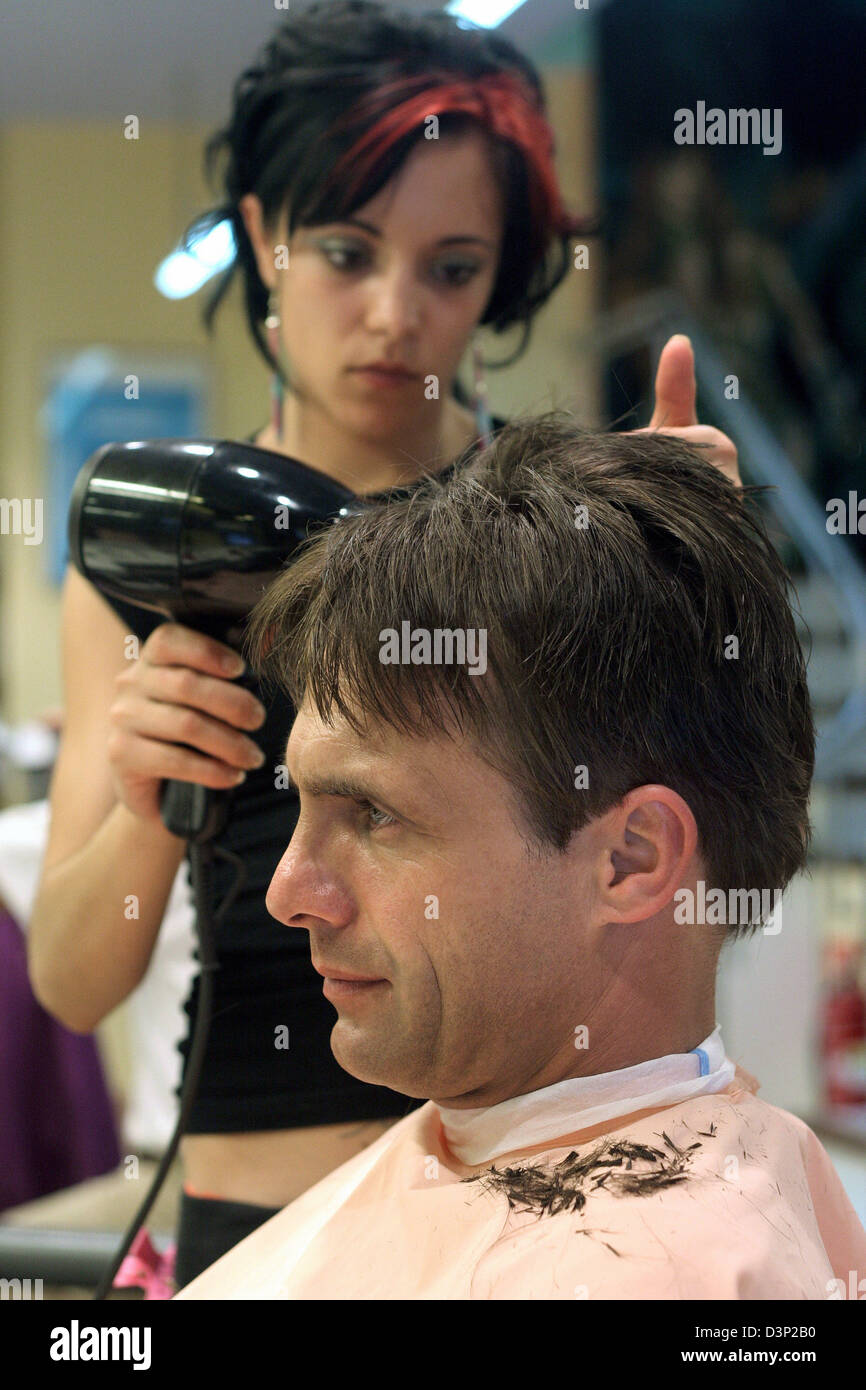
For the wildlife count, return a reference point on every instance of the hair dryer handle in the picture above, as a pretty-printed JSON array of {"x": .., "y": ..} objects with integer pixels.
[
  {"x": 192, "y": 811},
  {"x": 195, "y": 812}
]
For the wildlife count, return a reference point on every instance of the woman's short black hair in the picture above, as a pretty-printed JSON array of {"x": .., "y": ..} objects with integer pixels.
[{"x": 279, "y": 142}]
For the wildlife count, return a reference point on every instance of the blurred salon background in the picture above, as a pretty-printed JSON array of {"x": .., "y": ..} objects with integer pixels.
[{"x": 759, "y": 256}]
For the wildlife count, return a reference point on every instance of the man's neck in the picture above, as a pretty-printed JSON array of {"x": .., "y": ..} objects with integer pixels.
[
  {"x": 603, "y": 1050},
  {"x": 662, "y": 1038}
]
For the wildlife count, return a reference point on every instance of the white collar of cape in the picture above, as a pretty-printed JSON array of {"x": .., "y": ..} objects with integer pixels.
[{"x": 475, "y": 1136}]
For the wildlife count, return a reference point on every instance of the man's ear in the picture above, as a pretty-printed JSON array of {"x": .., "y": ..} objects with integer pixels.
[
  {"x": 647, "y": 843},
  {"x": 250, "y": 206}
]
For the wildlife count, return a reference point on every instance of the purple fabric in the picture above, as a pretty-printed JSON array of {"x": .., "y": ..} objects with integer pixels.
[{"x": 57, "y": 1125}]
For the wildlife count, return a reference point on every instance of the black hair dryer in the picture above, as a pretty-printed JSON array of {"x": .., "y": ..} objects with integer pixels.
[{"x": 195, "y": 529}]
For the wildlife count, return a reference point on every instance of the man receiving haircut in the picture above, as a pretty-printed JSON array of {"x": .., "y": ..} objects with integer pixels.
[{"x": 490, "y": 866}]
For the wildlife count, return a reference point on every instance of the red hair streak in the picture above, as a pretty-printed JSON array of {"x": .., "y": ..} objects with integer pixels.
[{"x": 503, "y": 103}]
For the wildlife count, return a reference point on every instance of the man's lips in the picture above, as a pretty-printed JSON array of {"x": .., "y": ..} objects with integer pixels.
[{"x": 331, "y": 973}]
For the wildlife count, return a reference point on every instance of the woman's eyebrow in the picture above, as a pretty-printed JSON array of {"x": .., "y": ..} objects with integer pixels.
[{"x": 443, "y": 241}]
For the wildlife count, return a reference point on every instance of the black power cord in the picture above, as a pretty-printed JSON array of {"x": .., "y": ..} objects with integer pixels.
[{"x": 201, "y": 856}]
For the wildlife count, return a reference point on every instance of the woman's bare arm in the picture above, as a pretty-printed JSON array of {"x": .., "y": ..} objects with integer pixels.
[
  {"x": 87, "y": 949},
  {"x": 110, "y": 863}
]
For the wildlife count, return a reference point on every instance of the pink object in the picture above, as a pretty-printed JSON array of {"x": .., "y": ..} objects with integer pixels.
[
  {"x": 718, "y": 1196},
  {"x": 843, "y": 1032},
  {"x": 145, "y": 1268}
]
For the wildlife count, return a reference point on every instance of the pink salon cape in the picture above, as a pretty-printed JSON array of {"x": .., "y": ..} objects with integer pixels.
[{"x": 720, "y": 1196}]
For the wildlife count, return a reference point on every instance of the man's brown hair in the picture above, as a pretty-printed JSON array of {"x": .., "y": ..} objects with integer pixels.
[{"x": 637, "y": 622}]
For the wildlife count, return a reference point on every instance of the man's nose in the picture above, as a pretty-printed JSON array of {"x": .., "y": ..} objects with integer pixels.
[{"x": 303, "y": 893}]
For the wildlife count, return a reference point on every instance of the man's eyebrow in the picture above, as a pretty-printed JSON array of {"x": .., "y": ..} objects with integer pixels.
[{"x": 353, "y": 787}]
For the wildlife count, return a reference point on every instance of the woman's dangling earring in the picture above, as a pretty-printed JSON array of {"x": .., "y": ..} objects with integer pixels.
[
  {"x": 272, "y": 326},
  {"x": 482, "y": 411}
]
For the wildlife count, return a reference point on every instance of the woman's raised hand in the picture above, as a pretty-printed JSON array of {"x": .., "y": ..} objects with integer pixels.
[{"x": 675, "y": 408}]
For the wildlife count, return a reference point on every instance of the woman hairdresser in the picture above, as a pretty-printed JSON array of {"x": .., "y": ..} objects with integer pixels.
[{"x": 399, "y": 246}]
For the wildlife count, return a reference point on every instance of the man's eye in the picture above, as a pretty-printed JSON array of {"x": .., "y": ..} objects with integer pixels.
[{"x": 371, "y": 812}]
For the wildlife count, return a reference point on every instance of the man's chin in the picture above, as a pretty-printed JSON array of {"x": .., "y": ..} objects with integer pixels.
[{"x": 377, "y": 1066}]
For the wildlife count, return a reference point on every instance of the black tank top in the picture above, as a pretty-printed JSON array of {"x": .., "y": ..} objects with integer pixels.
[{"x": 266, "y": 980}]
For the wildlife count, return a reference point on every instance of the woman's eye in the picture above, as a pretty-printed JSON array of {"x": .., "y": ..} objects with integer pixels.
[
  {"x": 342, "y": 255},
  {"x": 457, "y": 272},
  {"x": 371, "y": 812},
  {"x": 351, "y": 256}
]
